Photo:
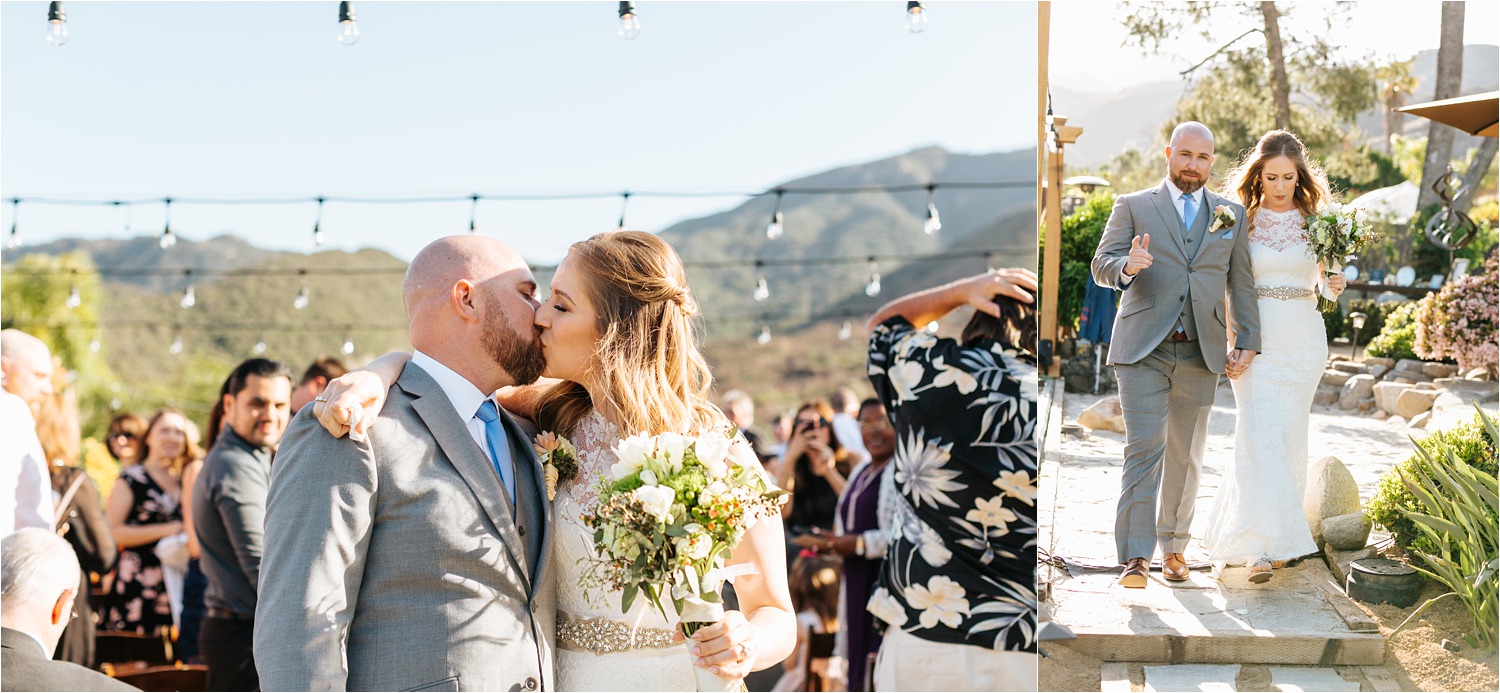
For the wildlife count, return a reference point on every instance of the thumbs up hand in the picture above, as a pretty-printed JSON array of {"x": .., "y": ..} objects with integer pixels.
[{"x": 1140, "y": 256}]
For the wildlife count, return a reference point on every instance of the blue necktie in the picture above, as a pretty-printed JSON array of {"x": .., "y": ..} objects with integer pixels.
[
  {"x": 494, "y": 434},
  {"x": 1189, "y": 211}
]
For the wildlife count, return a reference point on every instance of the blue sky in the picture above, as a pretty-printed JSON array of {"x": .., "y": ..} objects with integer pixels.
[{"x": 256, "y": 99}]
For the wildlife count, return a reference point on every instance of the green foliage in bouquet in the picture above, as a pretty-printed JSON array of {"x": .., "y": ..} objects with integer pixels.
[
  {"x": 1471, "y": 443},
  {"x": 1398, "y": 335},
  {"x": 669, "y": 514},
  {"x": 1458, "y": 520}
]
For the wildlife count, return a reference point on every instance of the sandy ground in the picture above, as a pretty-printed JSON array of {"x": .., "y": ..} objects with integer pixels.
[{"x": 1369, "y": 447}]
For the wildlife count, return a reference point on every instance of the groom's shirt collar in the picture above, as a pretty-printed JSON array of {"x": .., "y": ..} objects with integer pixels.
[
  {"x": 462, "y": 394},
  {"x": 1198, "y": 196}
]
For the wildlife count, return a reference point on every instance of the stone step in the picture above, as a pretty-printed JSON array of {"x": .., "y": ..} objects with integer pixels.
[
  {"x": 1224, "y": 619},
  {"x": 1300, "y": 679},
  {"x": 1192, "y": 677}
]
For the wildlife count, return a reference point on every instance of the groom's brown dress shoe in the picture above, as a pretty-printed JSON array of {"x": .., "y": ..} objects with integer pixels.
[
  {"x": 1174, "y": 567},
  {"x": 1135, "y": 573}
]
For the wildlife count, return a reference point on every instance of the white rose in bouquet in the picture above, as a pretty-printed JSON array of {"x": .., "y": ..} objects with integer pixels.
[
  {"x": 711, "y": 449},
  {"x": 657, "y": 501}
]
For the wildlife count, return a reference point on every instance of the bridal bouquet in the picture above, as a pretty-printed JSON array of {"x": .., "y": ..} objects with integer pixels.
[
  {"x": 1334, "y": 235},
  {"x": 669, "y": 513}
]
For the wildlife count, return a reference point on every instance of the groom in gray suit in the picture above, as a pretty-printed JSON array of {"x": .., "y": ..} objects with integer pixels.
[
  {"x": 1175, "y": 261},
  {"x": 416, "y": 560}
]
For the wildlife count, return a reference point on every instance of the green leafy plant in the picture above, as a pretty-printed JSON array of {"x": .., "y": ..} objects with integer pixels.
[
  {"x": 1398, "y": 335},
  {"x": 1472, "y": 442},
  {"x": 1081, "y": 232},
  {"x": 1459, "y": 521}
]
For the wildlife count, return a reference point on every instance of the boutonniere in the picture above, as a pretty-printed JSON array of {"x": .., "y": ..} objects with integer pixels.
[
  {"x": 1223, "y": 218},
  {"x": 558, "y": 457}
]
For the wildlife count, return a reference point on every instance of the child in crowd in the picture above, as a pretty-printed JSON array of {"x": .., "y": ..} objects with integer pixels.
[{"x": 814, "y": 584}]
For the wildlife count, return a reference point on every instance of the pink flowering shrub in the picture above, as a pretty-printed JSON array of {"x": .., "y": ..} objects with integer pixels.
[{"x": 1460, "y": 321}]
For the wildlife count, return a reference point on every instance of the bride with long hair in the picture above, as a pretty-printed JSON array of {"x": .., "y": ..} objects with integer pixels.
[{"x": 1257, "y": 515}]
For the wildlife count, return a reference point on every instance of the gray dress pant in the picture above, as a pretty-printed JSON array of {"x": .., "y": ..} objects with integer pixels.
[{"x": 1166, "y": 398}]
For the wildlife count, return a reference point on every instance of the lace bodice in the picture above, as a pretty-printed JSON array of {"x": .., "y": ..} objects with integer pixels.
[
  {"x": 573, "y": 547},
  {"x": 1278, "y": 251}
]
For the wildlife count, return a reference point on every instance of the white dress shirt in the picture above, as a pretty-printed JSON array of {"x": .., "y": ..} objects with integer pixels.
[
  {"x": 465, "y": 398},
  {"x": 25, "y": 488}
]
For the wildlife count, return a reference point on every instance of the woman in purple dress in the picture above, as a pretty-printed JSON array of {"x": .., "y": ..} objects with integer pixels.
[{"x": 864, "y": 515}]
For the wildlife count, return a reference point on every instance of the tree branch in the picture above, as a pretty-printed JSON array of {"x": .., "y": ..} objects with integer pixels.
[{"x": 1222, "y": 48}]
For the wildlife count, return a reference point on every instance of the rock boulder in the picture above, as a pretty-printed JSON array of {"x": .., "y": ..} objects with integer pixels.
[
  {"x": 1331, "y": 491},
  {"x": 1356, "y": 390},
  {"x": 1346, "y": 532},
  {"x": 1106, "y": 414}
]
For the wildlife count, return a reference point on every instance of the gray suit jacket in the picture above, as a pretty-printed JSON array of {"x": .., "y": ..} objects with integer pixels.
[
  {"x": 1204, "y": 273},
  {"x": 395, "y": 564},
  {"x": 26, "y": 668}
]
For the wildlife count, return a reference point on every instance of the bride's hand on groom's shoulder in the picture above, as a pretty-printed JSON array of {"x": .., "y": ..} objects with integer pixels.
[{"x": 352, "y": 400}]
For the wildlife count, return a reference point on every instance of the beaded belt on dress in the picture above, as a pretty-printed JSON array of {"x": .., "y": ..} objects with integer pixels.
[
  {"x": 600, "y": 635},
  {"x": 1285, "y": 293}
]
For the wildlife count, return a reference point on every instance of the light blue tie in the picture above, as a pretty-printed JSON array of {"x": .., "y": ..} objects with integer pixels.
[
  {"x": 494, "y": 434},
  {"x": 1189, "y": 211}
]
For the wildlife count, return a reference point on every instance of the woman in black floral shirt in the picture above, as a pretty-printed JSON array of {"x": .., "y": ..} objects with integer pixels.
[{"x": 958, "y": 589}]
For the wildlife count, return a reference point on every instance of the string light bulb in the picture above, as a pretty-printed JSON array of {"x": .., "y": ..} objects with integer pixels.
[
  {"x": 348, "y": 347},
  {"x": 57, "y": 24},
  {"x": 932, "y": 327},
  {"x": 916, "y": 17},
  {"x": 845, "y": 331},
  {"x": 873, "y": 287},
  {"x": 630, "y": 24},
  {"x": 318, "y": 226},
  {"x": 624, "y": 204},
  {"x": 933, "y": 223},
  {"x": 348, "y": 24},
  {"x": 259, "y": 348},
  {"x": 94, "y": 345},
  {"x": 762, "y": 290},
  {"x": 774, "y": 229},
  {"x": 300, "y": 302},
  {"x": 168, "y": 239},
  {"x": 75, "y": 299},
  {"x": 189, "y": 297},
  {"x": 765, "y": 335},
  {"x": 13, "y": 241},
  {"x": 176, "y": 347}
]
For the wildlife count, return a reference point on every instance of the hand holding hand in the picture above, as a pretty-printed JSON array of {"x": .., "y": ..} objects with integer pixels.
[
  {"x": 725, "y": 647},
  {"x": 1140, "y": 255},
  {"x": 1238, "y": 363},
  {"x": 352, "y": 399}
]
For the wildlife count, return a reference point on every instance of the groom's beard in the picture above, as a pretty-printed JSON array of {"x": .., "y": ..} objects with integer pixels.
[
  {"x": 520, "y": 357},
  {"x": 1189, "y": 185}
]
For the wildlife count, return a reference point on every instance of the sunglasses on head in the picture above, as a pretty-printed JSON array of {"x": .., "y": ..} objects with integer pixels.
[{"x": 122, "y": 434}]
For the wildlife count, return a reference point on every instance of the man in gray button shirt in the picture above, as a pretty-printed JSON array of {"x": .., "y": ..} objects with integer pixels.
[{"x": 229, "y": 499}]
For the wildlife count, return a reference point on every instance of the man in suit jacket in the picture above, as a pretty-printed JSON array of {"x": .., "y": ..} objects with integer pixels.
[
  {"x": 1175, "y": 260},
  {"x": 40, "y": 577},
  {"x": 416, "y": 559}
]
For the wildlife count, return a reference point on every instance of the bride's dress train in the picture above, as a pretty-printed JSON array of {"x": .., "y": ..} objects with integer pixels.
[
  {"x": 594, "y": 649},
  {"x": 1257, "y": 512}
]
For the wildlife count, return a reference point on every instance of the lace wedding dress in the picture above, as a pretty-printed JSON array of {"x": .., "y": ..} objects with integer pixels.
[
  {"x": 1258, "y": 510},
  {"x": 595, "y": 649}
]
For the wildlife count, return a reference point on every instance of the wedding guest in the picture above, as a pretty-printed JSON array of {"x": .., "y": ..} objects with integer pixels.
[
  {"x": 862, "y": 531},
  {"x": 143, "y": 508},
  {"x": 79, "y": 516},
  {"x": 814, "y": 583},
  {"x": 781, "y": 432},
  {"x": 123, "y": 440},
  {"x": 38, "y": 578},
  {"x": 845, "y": 410},
  {"x": 314, "y": 379},
  {"x": 740, "y": 410},
  {"x": 194, "y": 583},
  {"x": 958, "y": 583},
  {"x": 26, "y": 369},
  {"x": 813, "y": 470},
  {"x": 230, "y": 514}
]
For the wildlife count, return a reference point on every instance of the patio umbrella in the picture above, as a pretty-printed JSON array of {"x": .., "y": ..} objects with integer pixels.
[
  {"x": 1395, "y": 204},
  {"x": 1476, "y": 114}
]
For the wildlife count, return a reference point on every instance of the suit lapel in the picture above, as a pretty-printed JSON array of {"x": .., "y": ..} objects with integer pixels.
[
  {"x": 535, "y": 504},
  {"x": 472, "y": 464},
  {"x": 1167, "y": 208}
]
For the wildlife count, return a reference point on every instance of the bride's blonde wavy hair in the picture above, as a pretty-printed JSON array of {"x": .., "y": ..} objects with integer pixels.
[
  {"x": 1245, "y": 180},
  {"x": 647, "y": 356}
]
